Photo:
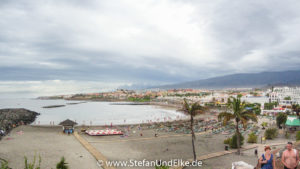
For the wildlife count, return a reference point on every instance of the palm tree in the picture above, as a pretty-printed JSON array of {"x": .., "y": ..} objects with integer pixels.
[
  {"x": 239, "y": 113},
  {"x": 192, "y": 110}
]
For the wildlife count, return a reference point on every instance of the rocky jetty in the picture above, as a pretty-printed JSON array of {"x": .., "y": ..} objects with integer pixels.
[{"x": 10, "y": 118}]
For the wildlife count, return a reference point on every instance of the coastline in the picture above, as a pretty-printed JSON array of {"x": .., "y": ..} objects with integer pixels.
[{"x": 119, "y": 102}]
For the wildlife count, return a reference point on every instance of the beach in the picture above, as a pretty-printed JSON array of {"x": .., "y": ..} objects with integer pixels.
[
  {"x": 51, "y": 144},
  {"x": 173, "y": 142},
  {"x": 47, "y": 142}
]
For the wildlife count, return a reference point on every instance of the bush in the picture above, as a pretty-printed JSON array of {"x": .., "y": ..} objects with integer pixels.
[
  {"x": 252, "y": 138},
  {"x": 271, "y": 133},
  {"x": 31, "y": 165},
  {"x": 4, "y": 164},
  {"x": 233, "y": 142},
  {"x": 62, "y": 164},
  {"x": 298, "y": 135},
  {"x": 264, "y": 124},
  {"x": 227, "y": 141}
]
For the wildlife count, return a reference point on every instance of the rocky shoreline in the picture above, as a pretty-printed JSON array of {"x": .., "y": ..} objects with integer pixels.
[{"x": 10, "y": 118}]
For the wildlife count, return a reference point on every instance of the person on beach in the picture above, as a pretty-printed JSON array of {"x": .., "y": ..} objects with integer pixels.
[
  {"x": 290, "y": 157},
  {"x": 267, "y": 160}
]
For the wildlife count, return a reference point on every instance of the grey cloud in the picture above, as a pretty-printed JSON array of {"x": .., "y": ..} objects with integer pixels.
[{"x": 149, "y": 42}]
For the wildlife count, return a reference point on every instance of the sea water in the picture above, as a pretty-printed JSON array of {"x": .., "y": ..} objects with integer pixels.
[{"x": 92, "y": 113}]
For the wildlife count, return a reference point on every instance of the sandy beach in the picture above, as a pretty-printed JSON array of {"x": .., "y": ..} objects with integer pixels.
[
  {"x": 165, "y": 147},
  {"x": 51, "y": 144}
]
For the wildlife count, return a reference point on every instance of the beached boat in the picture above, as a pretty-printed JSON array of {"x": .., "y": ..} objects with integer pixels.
[{"x": 103, "y": 132}]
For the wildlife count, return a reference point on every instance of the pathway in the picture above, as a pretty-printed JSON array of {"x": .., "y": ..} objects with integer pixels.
[
  {"x": 98, "y": 156},
  {"x": 218, "y": 154},
  {"x": 221, "y": 153}
]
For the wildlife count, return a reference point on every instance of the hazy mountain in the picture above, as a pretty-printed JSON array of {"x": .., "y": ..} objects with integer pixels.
[{"x": 242, "y": 80}]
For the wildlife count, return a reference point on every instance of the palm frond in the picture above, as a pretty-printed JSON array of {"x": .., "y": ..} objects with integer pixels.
[
  {"x": 194, "y": 108},
  {"x": 186, "y": 107},
  {"x": 244, "y": 122},
  {"x": 250, "y": 116},
  {"x": 225, "y": 117}
]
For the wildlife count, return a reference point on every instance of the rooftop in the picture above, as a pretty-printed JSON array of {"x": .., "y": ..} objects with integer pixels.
[
  {"x": 67, "y": 123},
  {"x": 292, "y": 121}
]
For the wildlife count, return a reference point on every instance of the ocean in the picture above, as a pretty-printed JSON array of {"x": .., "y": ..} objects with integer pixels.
[{"x": 92, "y": 113}]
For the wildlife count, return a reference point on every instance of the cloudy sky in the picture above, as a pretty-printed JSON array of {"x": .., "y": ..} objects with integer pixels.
[{"x": 60, "y": 47}]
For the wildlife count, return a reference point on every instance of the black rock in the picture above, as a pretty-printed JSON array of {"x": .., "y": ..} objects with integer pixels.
[{"x": 14, "y": 117}]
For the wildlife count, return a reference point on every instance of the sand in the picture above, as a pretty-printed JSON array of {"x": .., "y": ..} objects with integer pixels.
[
  {"x": 49, "y": 143},
  {"x": 167, "y": 146}
]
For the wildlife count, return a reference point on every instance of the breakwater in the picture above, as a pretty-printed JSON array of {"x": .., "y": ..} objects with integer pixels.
[{"x": 10, "y": 118}]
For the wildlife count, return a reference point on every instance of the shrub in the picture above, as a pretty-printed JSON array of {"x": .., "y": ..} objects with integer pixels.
[
  {"x": 62, "y": 164},
  {"x": 271, "y": 133},
  {"x": 298, "y": 136},
  {"x": 32, "y": 165},
  {"x": 233, "y": 142},
  {"x": 227, "y": 141},
  {"x": 264, "y": 124},
  {"x": 4, "y": 164},
  {"x": 252, "y": 138}
]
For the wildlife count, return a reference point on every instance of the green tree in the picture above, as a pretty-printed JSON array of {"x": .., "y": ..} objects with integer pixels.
[
  {"x": 296, "y": 109},
  {"x": 193, "y": 110},
  {"x": 288, "y": 98},
  {"x": 270, "y": 106},
  {"x": 62, "y": 164},
  {"x": 239, "y": 114},
  {"x": 281, "y": 119}
]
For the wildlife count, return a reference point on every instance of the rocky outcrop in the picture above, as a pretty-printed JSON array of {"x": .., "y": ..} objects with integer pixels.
[{"x": 10, "y": 118}]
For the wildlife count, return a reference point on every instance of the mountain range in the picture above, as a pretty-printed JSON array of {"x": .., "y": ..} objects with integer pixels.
[{"x": 242, "y": 80}]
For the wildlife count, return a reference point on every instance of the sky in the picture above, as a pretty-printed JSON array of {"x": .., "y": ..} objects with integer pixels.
[{"x": 52, "y": 47}]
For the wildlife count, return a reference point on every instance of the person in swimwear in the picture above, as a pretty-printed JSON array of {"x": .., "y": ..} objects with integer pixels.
[{"x": 290, "y": 157}]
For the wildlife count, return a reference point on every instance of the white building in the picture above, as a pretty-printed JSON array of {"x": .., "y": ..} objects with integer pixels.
[{"x": 280, "y": 93}]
